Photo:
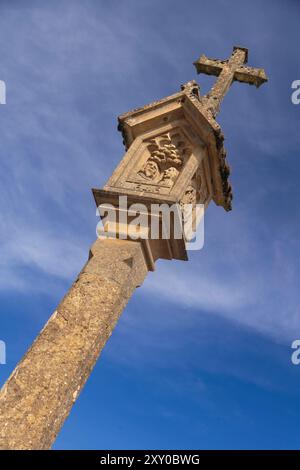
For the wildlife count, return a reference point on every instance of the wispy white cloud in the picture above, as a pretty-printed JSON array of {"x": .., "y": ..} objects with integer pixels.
[{"x": 242, "y": 273}]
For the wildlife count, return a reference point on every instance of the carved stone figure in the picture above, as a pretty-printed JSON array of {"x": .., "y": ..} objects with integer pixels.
[
  {"x": 169, "y": 176},
  {"x": 190, "y": 196},
  {"x": 150, "y": 171}
]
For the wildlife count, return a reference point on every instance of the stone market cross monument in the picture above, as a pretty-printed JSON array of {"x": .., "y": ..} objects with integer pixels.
[{"x": 174, "y": 154}]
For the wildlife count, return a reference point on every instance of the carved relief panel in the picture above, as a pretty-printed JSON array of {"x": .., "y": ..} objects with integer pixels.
[
  {"x": 167, "y": 155},
  {"x": 155, "y": 165},
  {"x": 198, "y": 191}
]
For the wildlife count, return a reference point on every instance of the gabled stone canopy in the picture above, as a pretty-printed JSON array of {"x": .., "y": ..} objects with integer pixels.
[{"x": 187, "y": 105}]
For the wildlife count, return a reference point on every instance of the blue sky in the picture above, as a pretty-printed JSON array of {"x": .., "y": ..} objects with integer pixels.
[{"x": 201, "y": 355}]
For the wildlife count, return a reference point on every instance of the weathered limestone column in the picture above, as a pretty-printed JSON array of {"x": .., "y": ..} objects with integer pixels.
[{"x": 38, "y": 396}]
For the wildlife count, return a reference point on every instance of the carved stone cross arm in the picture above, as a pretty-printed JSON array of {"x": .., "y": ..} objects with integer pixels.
[{"x": 228, "y": 71}]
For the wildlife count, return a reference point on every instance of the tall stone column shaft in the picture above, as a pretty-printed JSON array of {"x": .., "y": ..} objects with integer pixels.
[{"x": 38, "y": 396}]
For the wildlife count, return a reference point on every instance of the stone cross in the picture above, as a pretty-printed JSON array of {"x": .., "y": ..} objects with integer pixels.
[
  {"x": 174, "y": 156},
  {"x": 228, "y": 71}
]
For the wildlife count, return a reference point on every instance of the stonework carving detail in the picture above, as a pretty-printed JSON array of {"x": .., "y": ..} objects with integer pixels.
[
  {"x": 197, "y": 191},
  {"x": 168, "y": 153}
]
